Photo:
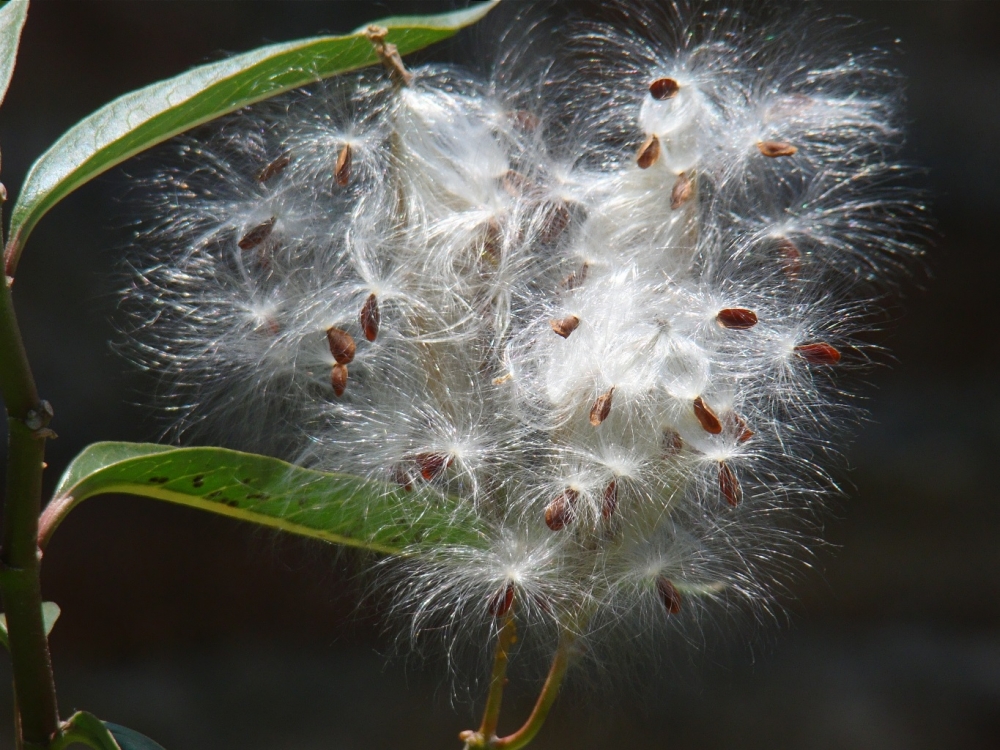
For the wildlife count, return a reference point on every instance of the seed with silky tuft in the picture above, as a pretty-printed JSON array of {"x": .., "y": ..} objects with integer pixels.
[
  {"x": 819, "y": 353},
  {"x": 342, "y": 172},
  {"x": 275, "y": 168},
  {"x": 565, "y": 326},
  {"x": 559, "y": 512},
  {"x": 708, "y": 418},
  {"x": 256, "y": 235},
  {"x": 610, "y": 502},
  {"x": 669, "y": 595},
  {"x": 501, "y": 602},
  {"x": 649, "y": 152},
  {"x": 736, "y": 318},
  {"x": 338, "y": 379},
  {"x": 682, "y": 192},
  {"x": 342, "y": 345},
  {"x": 774, "y": 149},
  {"x": 729, "y": 484},
  {"x": 432, "y": 465},
  {"x": 664, "y": 88},
  {"x": 602, "y": 407},
  {"x": 737, "y": 427},
  {"x": 371, "y": 317}
]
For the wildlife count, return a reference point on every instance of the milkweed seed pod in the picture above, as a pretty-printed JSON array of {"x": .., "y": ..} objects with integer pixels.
[{"x": 601, "y": 297}]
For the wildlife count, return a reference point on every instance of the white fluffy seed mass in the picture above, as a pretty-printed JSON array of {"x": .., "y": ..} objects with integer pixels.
[{"x": 601, "y": 295}]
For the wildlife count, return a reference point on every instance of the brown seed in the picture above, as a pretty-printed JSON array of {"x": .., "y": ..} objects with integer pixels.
[
  {"x": 601, "y": 408},
  {"x": 737, "y": 318},
  {"x": 669, "y": 595},
  {"x": 610, "y": 504},
  {"x": 737, "y": 426},
  {"x": 342, "y": 172},
  {"x": 559, "y": 512},
  {"x": 402, "y": 477},
  {"x": 664, "y": 88},
  {"x": 649, "y": 152},
  {"x": 773, "y": 149},
  {"x": 566, "y": 326},
  {"x": 501, "y": 602},
  {"x": 341, "y": 345},
  {"x": 338, "y": 379},
  {"x": 577, "y": 278},
  {"x": 709, "y": 421},
  {"x": 515, "y": 183},
  {"x": 729, "y": 484},
  {"x": 524, "y": 120},
  {"x": 493, "y": 241},
  {"x": 256, "y": 235},
  {"x": 275, "y": 168},
  {"x": 673, "y": 443},
  {"x": 557, "y": 219},
  {"x": 370, "y": 317},
  {"x": 791, "y": 258},
  {"x": 432, "y": 465},
  {"x": 682, "y": 192},
  {"x": 819, "y": 353}
]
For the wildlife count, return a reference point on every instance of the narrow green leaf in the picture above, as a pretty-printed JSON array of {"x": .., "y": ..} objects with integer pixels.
[
  {"x": 143, "y": 118},
  {"x": 129, "y": 739},
  {"x": 50, "y": 613},
  {"x": 337, "y": 508},
  {"x": 12, "y": 16},
  {"x": 87, "y": 729}
]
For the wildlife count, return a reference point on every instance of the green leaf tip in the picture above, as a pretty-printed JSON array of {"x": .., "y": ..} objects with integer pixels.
[
  {"x": 143, "y": 118},
  {"x": 12, "y": 16},
  {"x": 337, "y": 508}
]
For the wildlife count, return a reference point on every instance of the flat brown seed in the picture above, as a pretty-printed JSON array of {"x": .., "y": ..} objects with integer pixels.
[
  {"x": 524, "y": 120},
  {"x": 708, "y": 419},
  {"x": 515, "y": 183},
  {"x": 669, "y": 595},
  {"x": 577, "y": 278},
  {"x": 729, "y": 484},
  {"x": 557, "y": 219},
  {"x": 819, "y": 353},
  {"x": 565, "y": 326},
  {"x": 338, "y": 379},
  {"x": 402, "y": 477},
  {"x": 664, "y": 88},
  {"x": 774, "y": 149},
  {"x": 371, "y": 318},
  {"x": 649, "y": 152},
  {"x": 791, "y": 258},
  {"x": 342, "y": 345},
  {"x": 673, "y": 443},
  {"x": 682, "y": 192},
  {"x": 736, "y": 318},
  {"x": 610, "y": 502},
  {"x": 256, "y": 235},
  {"x": 737, "y": 427},
  {"x": 275, "y": 168},
  {"x": 432, "y": 465},
  {"x": 601, "y": 408},
  {"x": 493, "y": 242},
  {"x": 342, "y": 172},
  {"x": 501, "y": 602},
  {"x": 559, "y": 512}
]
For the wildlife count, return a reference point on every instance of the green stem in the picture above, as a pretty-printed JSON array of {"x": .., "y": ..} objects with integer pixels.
[
  {"x": 491, "y": 714},
  {"x": 20, "y": 583},
  {"x": 550, "y": 690}
]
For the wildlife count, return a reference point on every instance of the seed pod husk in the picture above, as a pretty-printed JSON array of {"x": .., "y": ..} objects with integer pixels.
[
  {"x": 275, "y": 168},
  {"x": 342, "y": 171},
  {"x": 682, "y": 192},
  {"x": 342, "y": 345},
  {"x": 774, "y": 149},
  {"x": 736, "y": 318},
  {"x": 729, "y": 484},
  {"x": 256, "y": 235},
  {"x": 565, "y": 326},
  {"x": 649, "y": 152},
  {"x": 601, "y": 408},
  {"x": 669, "y": 595},
  {"x": 338, "y": 379},
  {"x": 819, "y": 353},
  {"x": 708, "y": 418},
  {"x": 664, "y": 88},
  {"x": 501, "y": 602},
  {"x": 370, "y": 317}
]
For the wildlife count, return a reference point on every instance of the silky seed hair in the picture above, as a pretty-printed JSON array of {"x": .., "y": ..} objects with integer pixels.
[{"x": 601, "y": 295}]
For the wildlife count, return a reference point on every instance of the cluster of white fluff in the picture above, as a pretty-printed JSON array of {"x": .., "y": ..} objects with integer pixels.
[{"x": 599, "y": 295}]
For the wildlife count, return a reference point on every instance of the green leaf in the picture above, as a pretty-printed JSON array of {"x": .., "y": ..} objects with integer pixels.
[
  {"x": 151, "y": 115},
  {"x": 12, "y": 16},
  {"x": 50, "y": 613},
  {"x": 337, "y": 508},
  {"x": 86, "y": 729},
  {"x": 129, "y": 739}
]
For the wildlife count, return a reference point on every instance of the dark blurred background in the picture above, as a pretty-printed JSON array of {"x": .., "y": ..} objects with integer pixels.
[{"x": 209, "y": 635}]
